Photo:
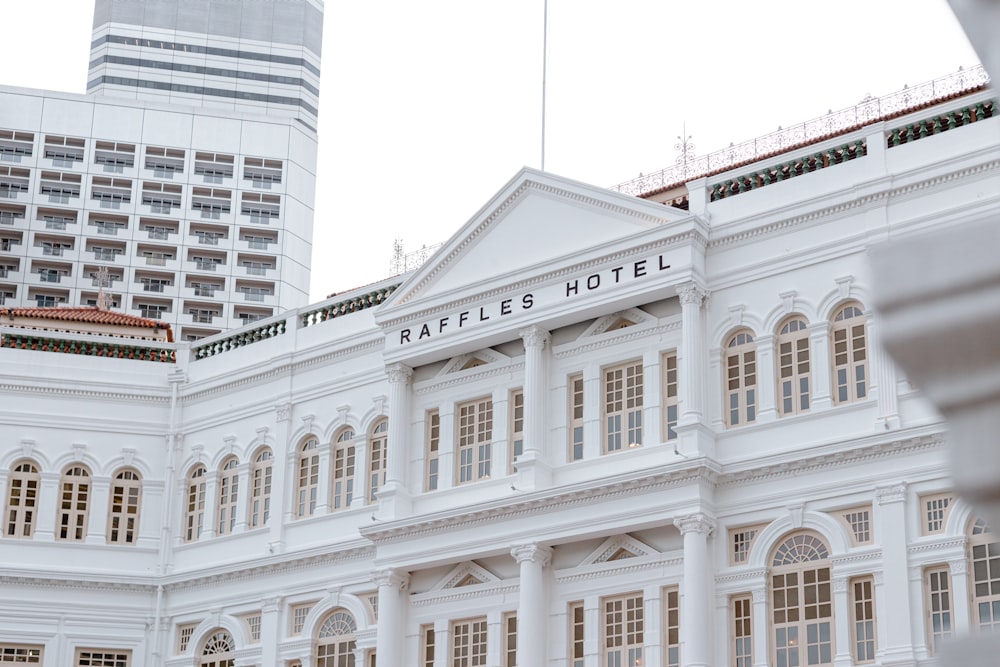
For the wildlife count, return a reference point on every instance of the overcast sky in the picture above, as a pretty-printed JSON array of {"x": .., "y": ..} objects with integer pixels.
[{"x": 428, "y": 108}]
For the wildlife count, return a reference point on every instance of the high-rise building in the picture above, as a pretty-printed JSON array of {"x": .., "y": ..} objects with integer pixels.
[{"x": 188, "y": 171}]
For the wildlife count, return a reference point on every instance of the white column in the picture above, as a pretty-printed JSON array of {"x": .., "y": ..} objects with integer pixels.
[
  {"x": 898, "y": 643},
  {"x": 494, "y": 639},
  {"x": 696, "y": 591},
  {"x": 961, "y": 620},
  {"x": 533, "y": 468},
  {"x": 98, "y": 508},
  {"x": 442, "y": 643},
  {"x": 392, "y": 585},
  {"x": 761, "y": 641},
  {"x": 652, "y": 625},
  {"x": 48, "y": 506},
  {"x": 282, "y": 479},
  {"x": 323, "y": 485},
  {"x": 360, "y": 494},
  {"x": 242, "y": 496},
  {"x": 593, "y": 399},
  {"x": 690, "y": 390},
  {"x": 842, "y": 622},
  {"x": 593, "y": 623},
  {"x": 446, "y": 447},
  {"x": 767, "y": 411},
  {"x": 270, "y": 633},
  {"x": 532, "y": 620},
  {"x": 819, "y": 356},
  {"x": 208, "y": 523},
  {"x": 394, "y": 496},
  {"x": 883, "y": 371}
]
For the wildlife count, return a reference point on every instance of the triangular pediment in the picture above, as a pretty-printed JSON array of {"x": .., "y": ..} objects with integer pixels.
[
  {"x": 616, "y": 321},
  {"x": 469, "y": 573},
  {"x": 619, "y": 547},
  {"x": 536, "y": 219},
  {"x": 475, "y": 359}
]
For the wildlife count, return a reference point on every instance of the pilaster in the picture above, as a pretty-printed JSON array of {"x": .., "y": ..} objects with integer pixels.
[
  {"x": 533, "y": 466},
  {"x": 394, "y": 497}
]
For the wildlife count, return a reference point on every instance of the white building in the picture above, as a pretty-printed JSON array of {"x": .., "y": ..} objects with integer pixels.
[
  {"x": 593, "y": 429},
  {"x": 188, "y": 171}
]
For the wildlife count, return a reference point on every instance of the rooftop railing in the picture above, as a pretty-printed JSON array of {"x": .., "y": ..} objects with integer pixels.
[{"x": 869, "y": 110}]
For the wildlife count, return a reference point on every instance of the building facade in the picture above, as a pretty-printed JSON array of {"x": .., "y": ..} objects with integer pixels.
[
  {"x": 593, "y": 429},
  {"x": 188, "y": 172}
]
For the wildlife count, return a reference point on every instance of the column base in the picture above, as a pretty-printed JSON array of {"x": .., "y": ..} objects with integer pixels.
[
  {"x": 394, "y": 502},
  {"x": 903, "y": 656},
  {"x": 694, "y": 440},
  {"x": 533, "y": 472}
]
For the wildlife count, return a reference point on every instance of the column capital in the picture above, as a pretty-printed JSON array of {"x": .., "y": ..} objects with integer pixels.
[
  {"x": 391, "y": 577},
  {"x": 759, "y": 595},
  {"x": 958, "y": 565},
  {"x": 282, "y": 411},
  {"x": 692, "y": 294},
  {"x": 399, "y": 373},
  {"x": 694, "y": 523},
  {"x": 894, "y": 493},
  {"x": 840, "y": 584},
  {"x": 532, "y": 552},
  {"x": 534, "y": 336},
  {"x": 271, "y": 604}
]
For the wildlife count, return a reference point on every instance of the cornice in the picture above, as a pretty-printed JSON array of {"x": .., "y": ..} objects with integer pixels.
[
  {"x": 60, "y": 390},
  {"x": 631, "y": 483},
  {"x": 447, "y": 304},
  {"x": 852, "y": 557},
  {"x": 463, "y": 593},
  {"x": 756, "y": 575},
  {"x": 830, "y": 211},
  {"x": 76, "y": 581},
  {"x": 819, "y": 462},
  {"x": 357, "y": 550},
  {"x": 460, "y": 378},
  {"x": 627, "y": 334},
  {"x": 937, "y": 545},
  {"x": 612, "y": 568}
]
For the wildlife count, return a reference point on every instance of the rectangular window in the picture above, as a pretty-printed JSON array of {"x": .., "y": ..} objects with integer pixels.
[
  {"x": 623, "y": 630},
  {"x": 516, "y": 427},
  {"x": 576, "y": 634},
  {"x": 863, "y": 605},
  {"x": 742, "y": 629},
  {"x": 184, "y": 633},
  {"x": 427, "y": 651},
  {"x": 670, "y": 394},
  {"x": 298, "y": 615},
  {"x": 509, "y": 625},
  {"x": 936, "y": 509},
  {"x": 938, "y": 589},
  {"x": 115, "y": 156},
  {"x": 253, "y": 626},
  {"x": 125, "y": 493},
  {"x": 622, "y": 407},
  {"x": 672, "y": 626},
  {"x": 575, "y": 386},
  {"x": 87, "y": 657},
  {"x": 741, "y": 541},
  {"x": 475, "y": 440},
  {"x": 858, "y": 520},
  {"x": 63, "y": 151},
  {"x": 433, "y": 446},
  {"x": 18, "y": 654},
  {"x": 468, "y": 643},
  {"x": 213, "y": 166}
]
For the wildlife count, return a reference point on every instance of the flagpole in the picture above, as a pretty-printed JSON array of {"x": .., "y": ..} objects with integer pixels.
[{"x": 545, "y": 43}]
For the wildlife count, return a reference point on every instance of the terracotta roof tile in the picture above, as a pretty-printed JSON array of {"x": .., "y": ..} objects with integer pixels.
[{"x": 87, "y": 314}]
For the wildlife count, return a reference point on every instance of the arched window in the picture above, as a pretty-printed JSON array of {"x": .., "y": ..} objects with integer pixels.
[
  {"x": 260, "y": 488},
  {"x": 377, "y": 452},
  {"x": 984, "y": 553},
  {"x": 123, "y": 513},
  {"x": 218, "y": 650},
  {"x": 741, "y": 379},
  {"x": 194, "y": 515},
  {"x": 336, "y": 641},
  {"x": 793, "y": 366},
  {"x": 307, "y": 485},
  {"x": 74, "y": 503},
  {"x": 229, "y": 482},
  {"x": 22, "y": 499},
  {"x": 343, "y": 469},
  {"x": 850, "y": 354},
  {"x": 802, "y": 602}
]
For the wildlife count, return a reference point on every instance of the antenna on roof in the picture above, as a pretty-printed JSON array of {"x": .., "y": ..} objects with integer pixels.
[
  {"x": 545, "y": 51},
  {"x": 103, "y": 298}
]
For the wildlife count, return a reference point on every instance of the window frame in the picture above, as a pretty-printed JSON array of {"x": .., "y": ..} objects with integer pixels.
[
  {"x": 21, "y": 516},
  {"x": 227, "y": 495},
  {"x": 793, "y": 366},
  {"x": 432, "y": 462},
  {"x": 622, "y": 396},
  {"x": 476, "y": 632},
  {"x": 102, "y": 657},
  {"x": 793, "y": 575},
  {"x": 378, "y": 454},
  {"x": 845, "y": 363},
  {"x": 739, "y": 362},
  {"x": 575, "y": 418},
  {"x": 194, "y": 514},
  {"x": 515, "y": 428},
  {"x": 307, "y": 477},
  {"x": 73, "y": 510},
  {"x": 671, "y": 638},
  {"x": 670, "y": 398},
  {"x": 741, "y": 638},
  {"x": 863, "y": 631},
  {"x": 344, "y": 469},
  {"x": 124, "y": 507},
  {"x": 474, "y": 440},
  {"x": 939, "y": 596},
  {"x": 261, "y": 479},
  {"x": 628, "y": 629},
  {"x": 342, "y": 643}
]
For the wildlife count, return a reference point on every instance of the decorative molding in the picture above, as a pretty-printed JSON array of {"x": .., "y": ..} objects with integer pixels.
[
  {"x": 736, "y": 315},
  {"x": 531, "y": 552},
  {"x": 840, "y": 584},
  {"x": 958, "y": 565},
  {"x": 282, "y": 412},
  {"x": 692, "y": 294},
  {"x": 435, "y": 598},
  {"x": 307, "y": 422},
  {"x": 398, "y": 373},
  {"x": 695, "y": 523},
  {"x": 630, "y": 566},
  {"x": 399, "y": 581},
  {"x": 61, "y": 391},
  {"x": 481, "y": 373},
  {"x": 937, "y": 545},
  {"x": 759, "y": 595},
  {"x": 795, "y": 515},
  {"x": 625, "y": 335},
  {"x": 788, "y": 301},
  {"x": 844, "y": 284},
  {"x": 463, "y": 570},
  {"x": 534, "y": 336},
  {"x": 895, "y": 493},
  {"x": 615, "y": 543},
  {"x": 741, "y": 577}
]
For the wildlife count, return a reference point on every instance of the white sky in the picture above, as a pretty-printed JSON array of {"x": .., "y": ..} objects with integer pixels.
[{"x": 428, "y": 108}]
